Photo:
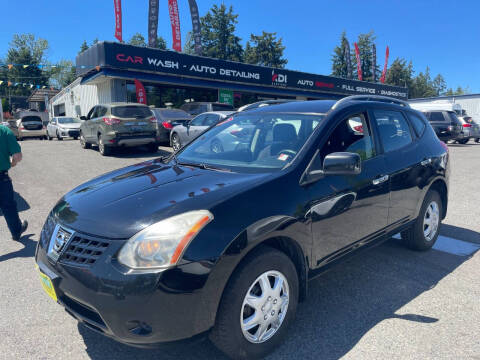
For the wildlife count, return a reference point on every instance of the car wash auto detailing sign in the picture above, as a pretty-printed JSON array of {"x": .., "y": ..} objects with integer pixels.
[{"x": 121, "y": 56}]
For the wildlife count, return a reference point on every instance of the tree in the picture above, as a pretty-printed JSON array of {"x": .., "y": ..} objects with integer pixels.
[
  {"x": 422, "y": 86},
  {"x": 29, "y": 55},
  {"x": 400, "y": 73},
  {"x": 63, "y": 74},
  {"x": 339, "y": 61},
  {"x": 365, "y": 43},
  {"x": 265, "y": 50},
  {"x": 218, "y": 34},
  {"x": 439, "y": 84},
  {"x": 83, "y": 47},
  {"x": 161, "y": 43},
  {"x": 138, "y": 40}
]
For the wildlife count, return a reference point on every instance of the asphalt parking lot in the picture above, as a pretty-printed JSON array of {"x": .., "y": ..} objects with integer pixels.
[{"x": 388, "y": 302}]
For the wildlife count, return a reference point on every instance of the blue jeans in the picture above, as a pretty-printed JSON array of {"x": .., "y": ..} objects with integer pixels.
[{"x": 9, "y": 206}]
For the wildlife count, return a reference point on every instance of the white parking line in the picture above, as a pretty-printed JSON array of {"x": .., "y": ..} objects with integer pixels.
[{"x": 452, "y": 246}]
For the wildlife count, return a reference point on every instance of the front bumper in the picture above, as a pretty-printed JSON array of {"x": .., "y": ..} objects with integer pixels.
[
  {"x": 136, "y": 308},
  {"x": 69, "y": 133}
]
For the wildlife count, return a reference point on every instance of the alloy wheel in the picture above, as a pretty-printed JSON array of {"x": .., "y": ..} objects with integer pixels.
[
  {"x": 175, "y": 142},
  {"x": 264, "y": 307},
  {"x": 431, "y": 221}
]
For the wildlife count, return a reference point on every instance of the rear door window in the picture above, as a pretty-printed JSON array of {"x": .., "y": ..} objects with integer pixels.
[
  {"x": 198, "y": 121},
  {"x": 393, "y": 129},
  {"x": 131, "y": 111},
  {"x": 211, "y": 119}
]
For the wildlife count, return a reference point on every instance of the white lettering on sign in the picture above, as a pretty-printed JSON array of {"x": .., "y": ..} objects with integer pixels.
[
  {"x": 164, "y": 64},
  {"x": 305, "y": 82},
  {"x": 203, "y": 69},
  {"x": 239, "y": 74},
  {"x": 365, "y": 90}
]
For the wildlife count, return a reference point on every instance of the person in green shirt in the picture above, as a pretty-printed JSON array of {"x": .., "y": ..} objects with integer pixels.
[{"x": 10, "y": 155}]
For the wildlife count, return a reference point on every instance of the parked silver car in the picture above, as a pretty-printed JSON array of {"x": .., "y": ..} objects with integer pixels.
[
  {"x": 30, "y": 125},
  {"x": 62, "y": 127},
  {"x": 471, "y": 130},
  {"x": 183, "y": 134}
]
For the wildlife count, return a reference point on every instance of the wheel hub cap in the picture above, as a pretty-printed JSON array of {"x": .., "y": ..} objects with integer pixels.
[
  {"x": 264, "y": 307},
  {"x": 431, "y": 221}
]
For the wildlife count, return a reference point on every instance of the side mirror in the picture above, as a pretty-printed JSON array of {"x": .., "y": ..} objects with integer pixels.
[
  {"x": 342, "y": 163},
  {"x": 83, "y": 118}
]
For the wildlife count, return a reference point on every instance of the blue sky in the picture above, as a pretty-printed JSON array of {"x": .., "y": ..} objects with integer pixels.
[{"x": 441, "y": 34}]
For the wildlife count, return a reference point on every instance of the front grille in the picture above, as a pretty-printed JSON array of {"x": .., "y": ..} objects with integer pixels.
[{"x": 82, "y": 251}]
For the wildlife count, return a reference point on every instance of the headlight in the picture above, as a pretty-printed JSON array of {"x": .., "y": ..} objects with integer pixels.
[{"x": 162, "y": 244}]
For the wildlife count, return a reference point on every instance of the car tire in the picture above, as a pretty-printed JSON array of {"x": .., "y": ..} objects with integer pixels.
[
  {"x": 477, "y": 140},
  {"x": 424, "y": 232},
  {"x": 75, "y": 138},
  {"x": 175, "y": 142},
  {"x": 463, "y": 141},
  {"x": 102, "y": 148},
  {"x": 59, "y": 138},
  {"x": 83, "y": 143},
  {"x": 228, "y": 334},
  {"x": 216, "y": 146}
]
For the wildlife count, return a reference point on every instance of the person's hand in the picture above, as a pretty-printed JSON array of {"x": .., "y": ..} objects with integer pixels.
[{"x": 16, "y": 158}]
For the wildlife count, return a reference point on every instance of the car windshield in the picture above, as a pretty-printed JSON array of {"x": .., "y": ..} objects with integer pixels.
[
  {"x": 131, "y": 111},
  {"x": 68, "y": 121},
  {"x": 262, "y": 142},
  {"x": 174, "y": 114}
]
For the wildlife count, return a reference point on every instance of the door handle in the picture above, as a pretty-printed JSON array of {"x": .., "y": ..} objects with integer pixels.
[
  {"x": 426, "y": 162},
  {"x": 380, "y": 179}
]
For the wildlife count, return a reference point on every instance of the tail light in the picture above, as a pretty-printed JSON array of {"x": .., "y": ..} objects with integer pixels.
[
  {"x": 21, "y": 127},
  {"x": 451, "y": 127},
  {"x": 111, "y": 121},
  {"x": 358, "y": 128},
  {"x": 467, "y": 125},
  {"x": 153, "y": 119},
  {"x": 167, "y": 125}
]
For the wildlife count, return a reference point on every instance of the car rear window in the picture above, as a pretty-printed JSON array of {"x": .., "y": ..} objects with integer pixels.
[
  {"x": 220, "y": 107},
  {"x": 417, "y": 123},
  {"x": 31, "y": 118},
  {"x": 436, "y": 116},
  {"x": 130, "y": 111},
  {"x": 174, "y": 114}
]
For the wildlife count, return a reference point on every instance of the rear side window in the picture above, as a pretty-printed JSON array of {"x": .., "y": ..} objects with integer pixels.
[
  {"x": 436, "y": 116},
  {"x": 417, "y": 123},
  {"x": 393, "y": 129},
  {"x": 131, "y": 111}
]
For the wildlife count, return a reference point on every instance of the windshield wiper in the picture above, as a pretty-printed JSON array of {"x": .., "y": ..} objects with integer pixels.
[{"x": 204, "y": 166}]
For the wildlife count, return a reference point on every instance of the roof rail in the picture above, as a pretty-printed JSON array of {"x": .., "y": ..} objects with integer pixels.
[{"x": 385, "y": 99}]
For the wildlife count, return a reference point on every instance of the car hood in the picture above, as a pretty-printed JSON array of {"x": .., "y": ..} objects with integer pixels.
[
  {"x": 119, "y": 204},
  {"x": 70, "y": 126}
]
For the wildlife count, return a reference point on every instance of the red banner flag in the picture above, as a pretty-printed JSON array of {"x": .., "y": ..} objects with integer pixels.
[
  {"x": 175, "y": 22},
  {"x": 384, "y": 72},
  {"x": 359, "y": 65},
  {"x": 118, "y": 19},
  {"x": 141, "y": 94}
]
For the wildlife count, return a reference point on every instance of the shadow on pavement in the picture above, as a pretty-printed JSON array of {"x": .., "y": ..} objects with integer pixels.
[
  {"x": 460, "y": 233},
  {"x": 27, "y": 251},
  {"x": 342, "y": 306}
]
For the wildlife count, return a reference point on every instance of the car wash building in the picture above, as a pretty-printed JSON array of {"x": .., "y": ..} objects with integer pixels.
[{"x": 107, "y": 73}]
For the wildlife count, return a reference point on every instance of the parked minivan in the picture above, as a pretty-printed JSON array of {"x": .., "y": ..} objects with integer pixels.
[{"x": 119, "y": 124}]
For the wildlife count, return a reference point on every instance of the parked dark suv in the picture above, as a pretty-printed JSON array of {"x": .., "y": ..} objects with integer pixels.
[
  {"x": 223, "y": 243},
  {"x": 446, "y": 125}
]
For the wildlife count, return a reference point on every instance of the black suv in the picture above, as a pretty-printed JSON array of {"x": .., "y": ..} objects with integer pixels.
[
  {"x": 446, "y": 124},
  {"x": 223, "y": 243}
]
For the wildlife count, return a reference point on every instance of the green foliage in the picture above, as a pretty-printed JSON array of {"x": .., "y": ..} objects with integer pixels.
[
  {"x": 218, "y": 34},
  {"x": 400, "y": 73},
  {"x": 5, "y": 105},
  {"x": 339, "y": 61},
  {"x": 83, "y": 47},
  {"x": 138, "y": 40},
  {"x": 439, "y": 84},
  {"x": 63, "y": 74},
  {"x": 365, "y": 42},
  {"x": 265, "y": 50},
  {"x": 161, "y": 43},
  {"x": 26, "y": 49},
  {"x": 458, "y": 91}
]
